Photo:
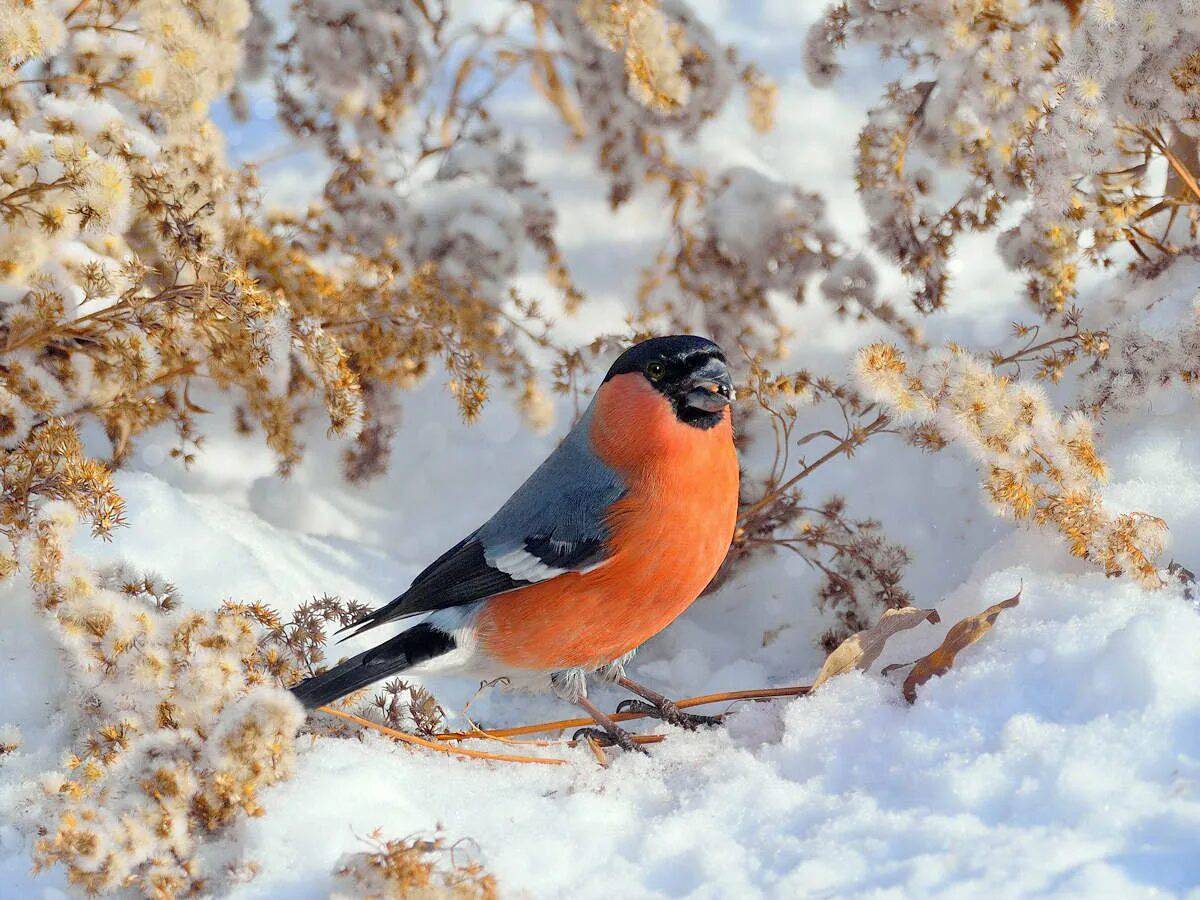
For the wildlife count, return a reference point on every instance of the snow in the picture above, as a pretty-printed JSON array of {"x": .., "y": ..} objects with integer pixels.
[{"x": 1059, "y": 757}]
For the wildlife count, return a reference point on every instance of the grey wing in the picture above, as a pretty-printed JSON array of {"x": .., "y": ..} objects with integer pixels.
[{"x": 555, "y": 523}]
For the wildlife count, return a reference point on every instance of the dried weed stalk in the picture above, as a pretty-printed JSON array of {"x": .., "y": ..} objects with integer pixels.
[{"x": 412, "y": 867}]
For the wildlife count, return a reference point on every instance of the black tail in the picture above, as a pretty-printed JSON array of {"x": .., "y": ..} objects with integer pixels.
[{"x": 401, "y": 652}]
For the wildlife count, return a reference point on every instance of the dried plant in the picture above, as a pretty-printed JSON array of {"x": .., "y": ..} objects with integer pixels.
[
  {"x": 405, "y": 706},
  {"x": 302, "y": 639},
  {"x": 860, "y": 568},
  {"x": 739, "y": 240},
  {"x": 143, "y": 279},
  {"x": 412, "y": 867},
  {"x": 1064, "y": 104},
  {"x": 861, "y": 649},
  {"x": 179, "y": 726},
  {"x": 962, "y": 634},
  {"x": 1037, "y": 466}
]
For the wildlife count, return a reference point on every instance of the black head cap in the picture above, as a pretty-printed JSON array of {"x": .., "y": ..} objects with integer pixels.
[{"x": 690, "y": 371}]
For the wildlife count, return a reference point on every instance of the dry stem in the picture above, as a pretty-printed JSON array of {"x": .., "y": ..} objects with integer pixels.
[
  {"x": 845, "y": 445},
  {"x": 563, "y": 724},
  {"x": 431, "y": 745}
]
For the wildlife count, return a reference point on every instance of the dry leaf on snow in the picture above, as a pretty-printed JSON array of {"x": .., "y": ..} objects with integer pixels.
[
  {"x": 963, "y": 634},
  {"x": 860, "y": 650}
]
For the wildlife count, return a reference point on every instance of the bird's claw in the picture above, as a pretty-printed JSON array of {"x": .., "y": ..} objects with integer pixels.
[
  {"x": 619, "y": 737},
  {"x": 668, "y": 712}
]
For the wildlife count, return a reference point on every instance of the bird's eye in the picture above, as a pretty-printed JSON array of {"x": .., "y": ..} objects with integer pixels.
[{"x": 656, "y": 370}]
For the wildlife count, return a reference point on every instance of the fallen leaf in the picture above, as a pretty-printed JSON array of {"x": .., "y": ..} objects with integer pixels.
[
  {"x": 1185, "y": 577},
  {"x": 963, "y": 634},
  {"x": 860, "y": 650}
]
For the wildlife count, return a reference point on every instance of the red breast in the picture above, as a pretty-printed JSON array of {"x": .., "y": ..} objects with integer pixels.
[{"x": 670, "y": 533}]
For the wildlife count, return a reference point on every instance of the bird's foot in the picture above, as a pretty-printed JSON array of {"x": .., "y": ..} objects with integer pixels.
[
  {"x": 614, "y": 737},
  {"x": 667, "y": 711}
]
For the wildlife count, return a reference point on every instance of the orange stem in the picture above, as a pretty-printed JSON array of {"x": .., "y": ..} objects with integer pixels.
[
  {"x": 562, "y": 724},
  {"x": 432, "y": 745}
]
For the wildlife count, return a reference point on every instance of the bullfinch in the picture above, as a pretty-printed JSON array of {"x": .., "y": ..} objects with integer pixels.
[{"x": 605, "y": 544}]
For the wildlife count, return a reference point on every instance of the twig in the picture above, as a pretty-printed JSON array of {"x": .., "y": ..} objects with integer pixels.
[
  {"x": 432, "y": 745},
  {"x": 1181, "y": 169},
  {"x": 1034, "y": 348},
  {"x": 563, "y": 724},
  {"x": 483, "y": 735},
  {"x": 845, "y": 445}
]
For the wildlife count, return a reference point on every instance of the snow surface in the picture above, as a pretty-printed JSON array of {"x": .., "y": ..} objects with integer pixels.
[{"x": 1060, "y": 756}]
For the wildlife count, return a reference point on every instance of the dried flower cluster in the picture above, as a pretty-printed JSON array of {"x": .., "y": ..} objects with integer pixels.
[
  {"x": 746, "y": 242},
  {"x": 629, "y": 76},
  {"x": 1037, "y": 466},
  {"x": 295, "y": 649},
  {"x": 652, "y": 47},
  {"x": 180, "y": 725},
  {"x": 1065, "y": 104},
  {"x": 350, "y": 73},
  {"x": 115, "y": 255}
]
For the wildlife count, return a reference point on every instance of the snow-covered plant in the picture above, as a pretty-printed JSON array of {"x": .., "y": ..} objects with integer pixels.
[
  {"x": 178, "y": 719},
  {"x": 116, "y": 257},
  {"x": 352, "y": 71},
  {"x": 652, "y": 47},
  {"x": 412, "y": 867},
  {"x": 627, "y": 76},
  {"x": 747, "y": 241},
  {"x": 1037, "y": 465},
  {"x": 1153, "y": 342},
  {"x": 1067, "y": 105}
]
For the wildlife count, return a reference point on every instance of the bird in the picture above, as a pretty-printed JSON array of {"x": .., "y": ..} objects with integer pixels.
[{"x": 609, "y": 540}]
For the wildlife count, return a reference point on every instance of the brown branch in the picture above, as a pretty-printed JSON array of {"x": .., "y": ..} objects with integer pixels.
[
  {"x": 74, "y": 9},
  {"x": 108, "y": 315},
  {"x": 1035, "y": 348},
  {"x": 1181, "y": 169},
  {"x": 845, "y": 445}
]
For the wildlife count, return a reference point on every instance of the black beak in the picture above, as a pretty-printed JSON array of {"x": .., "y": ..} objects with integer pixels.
[{"x": 710, "y": 388}]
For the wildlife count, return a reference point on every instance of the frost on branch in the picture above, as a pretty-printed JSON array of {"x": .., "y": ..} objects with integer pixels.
[
  {"x": 746, "y": 243},
  {"x": 1037, "y": 466},
  {"x": 1065, "y": 105},
  {"x": 351, "y": 71}
]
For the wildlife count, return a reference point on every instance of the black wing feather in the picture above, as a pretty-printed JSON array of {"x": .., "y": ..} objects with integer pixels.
[
  {"x": 560, "y": 554},
  {"x": 460, "y": 575}
]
